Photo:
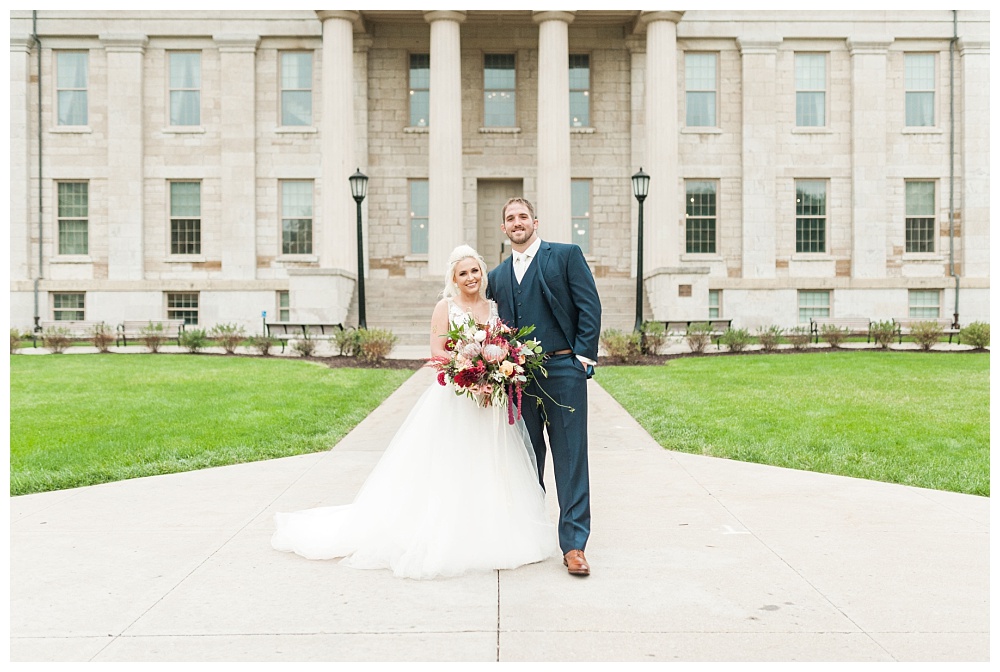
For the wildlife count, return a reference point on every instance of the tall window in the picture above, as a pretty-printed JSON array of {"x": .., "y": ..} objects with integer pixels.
[
  {"x": 813, "y": 304},
  {"x": 284, "y": 305},
  {"x": 580, "y": 205},
  {"x": 68, "y": 306},
  {"x": 579, "y": 90},
  {"x": 810, "y": 89},
  {"x": 925, "y": 303},
  {"x": 810, "y": 216},
  {"x": 714, "y": 304},
  {"x": 419, "y": 209},
  {"x": 919, "y": 89},
  {"x": 920, "y": 216},
  {"x": 499, "y": 83},
  {"x": 185, "y": 88},
  {"x": 185, "y": 218},
  {"x": 296, "y": 88},
  {"x": 71, "y": 88},
  {"x": 700, "y": 216},
  {"x": 700, "y": 85},
  {"x": 183, "y": 306},
  {"x": 73, "y": 209},
  {"x": 296, "y": 217},
  {"x": 420, "y": 89}
]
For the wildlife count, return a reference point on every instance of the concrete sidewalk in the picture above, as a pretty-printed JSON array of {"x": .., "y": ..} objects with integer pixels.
[{"x": 694, "y": 559}]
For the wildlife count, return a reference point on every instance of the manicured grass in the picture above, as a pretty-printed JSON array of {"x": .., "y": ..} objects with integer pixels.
[
  {"x": 85, "y": 419},
  {"x": 919, "y": 419}
]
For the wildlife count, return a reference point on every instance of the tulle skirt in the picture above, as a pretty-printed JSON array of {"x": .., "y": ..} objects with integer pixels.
[{"x": 456, "y": 490}]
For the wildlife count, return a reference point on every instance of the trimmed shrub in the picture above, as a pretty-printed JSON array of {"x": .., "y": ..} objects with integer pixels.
[
  {"x": 834, "y": 335},
  {"x": 305, "y": 347},
  {"x": 883, "y": 333},
  {"x": 698, "y": 336},
  {"x": 976, "y": 334},
  {"x": 348, "y": 341},
  {"x": 194, "y": 339},
  {"x": 926, "y": 334},
  {"x": 799, "y": 337},
  {"x": 153, "y": 336},
  {"x": 56, "y": 339},
  {"x": 622, "y": 347},
  {"x": 229, "y": 336},
  {"x": 654, "y": 335},
  {"x": 262, "y": 344},
  {"x": 769, "y": 337},
  {"x": 102, "y": 337},
  {"x": 736, "y": 339},
  {"x": 375, "y": 344}
]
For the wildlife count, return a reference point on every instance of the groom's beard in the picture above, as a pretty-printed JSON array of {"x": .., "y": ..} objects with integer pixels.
[{"x": 519, "y": 237}]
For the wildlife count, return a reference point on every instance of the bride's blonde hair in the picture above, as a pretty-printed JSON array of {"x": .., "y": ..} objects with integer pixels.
[{"x": 458, "y": 254}]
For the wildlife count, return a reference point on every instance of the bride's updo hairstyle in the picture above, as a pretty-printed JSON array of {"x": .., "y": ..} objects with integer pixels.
[{"x": 458, "y": 254}]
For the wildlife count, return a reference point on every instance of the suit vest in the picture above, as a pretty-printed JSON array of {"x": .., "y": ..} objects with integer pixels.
[{"x": 530, "y": 307}]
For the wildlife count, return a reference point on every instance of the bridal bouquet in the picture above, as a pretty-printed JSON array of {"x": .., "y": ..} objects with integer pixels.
[{"x": 491, "y": 364}]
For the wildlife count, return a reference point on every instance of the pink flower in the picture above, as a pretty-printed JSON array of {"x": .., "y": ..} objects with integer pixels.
[{"x": 494, "y": 354}]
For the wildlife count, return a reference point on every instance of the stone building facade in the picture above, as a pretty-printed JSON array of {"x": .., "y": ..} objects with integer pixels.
[{"x": 196, "y": 164}]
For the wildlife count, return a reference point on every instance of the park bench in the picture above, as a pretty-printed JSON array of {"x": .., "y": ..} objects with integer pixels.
[
  {"x": 905, "y": 324},
  {"x": 132, "y": 329},
  {"x": 78, "y": 329},
  {"x": 718, "y": 325},
  {"x": 286, "y": 331},
  {"x": 855, "y": 326}
]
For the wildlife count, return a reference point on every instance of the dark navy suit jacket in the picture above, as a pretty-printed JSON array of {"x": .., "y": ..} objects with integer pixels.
[{"x": 567, "y": 286}]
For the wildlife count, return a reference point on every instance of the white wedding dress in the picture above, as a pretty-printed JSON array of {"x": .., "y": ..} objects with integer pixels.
[{"x": 456, "y": 490}]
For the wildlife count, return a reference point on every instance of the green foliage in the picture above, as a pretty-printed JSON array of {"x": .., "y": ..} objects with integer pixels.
[
  {"x": 56, "y": 339},
  {"x": 976, "y": 334},
  {"x": 16, "y": 336},
  {"x": 883, "y": 333},
  {"x": 915, "y": 418},
  {"x": 375, "y": 344},
  {"x": 698, "y": 336},
  {"x": 348, "y": 341},
  {"x": 229, "y": 336},
  {"x": 799, "y": 337},
  {"x": 102, "y": 336},
  {"x": 769, "y": 337},
  {"x": 622, "y": 347},
  {"x": 654, "y": 336},
  {"x": 194, "y": 339},
  {"x": 833, "y": 334},
  {"x": 736, "y": 339},
  {"x": 153, "y": 336},
  {"x": 262, "y": 344},
  {"x": 132, "y": 415},
  {"x": 926, "y": 334},
  {"x": 305, "y": 347}
]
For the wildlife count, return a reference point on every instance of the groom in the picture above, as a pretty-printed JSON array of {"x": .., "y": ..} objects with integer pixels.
[{"x": 550, "y": 286}]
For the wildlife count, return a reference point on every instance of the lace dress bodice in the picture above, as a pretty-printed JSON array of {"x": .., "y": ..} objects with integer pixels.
[{"x": 458, "y": 316}]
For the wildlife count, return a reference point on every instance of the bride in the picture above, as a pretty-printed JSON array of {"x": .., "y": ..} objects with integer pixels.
[{"x": 457, "y": 487}]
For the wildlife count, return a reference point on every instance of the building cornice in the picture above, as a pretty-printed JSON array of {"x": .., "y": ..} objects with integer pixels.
[
  {"x": 973, "y": 46},
  {"x": 869, "y": 45},
  {"x": 21, "y": 43},
  {"x": 237, "y": 43},
  {"x": 124, "y": 42},
  {"x": 758, "y": 45}
]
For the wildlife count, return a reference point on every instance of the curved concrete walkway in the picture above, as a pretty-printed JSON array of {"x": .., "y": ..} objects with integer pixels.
[{"x": 694, "y": 559}]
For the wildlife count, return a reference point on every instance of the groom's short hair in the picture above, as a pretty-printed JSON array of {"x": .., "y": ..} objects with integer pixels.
[{"x": 517, "y": 199}]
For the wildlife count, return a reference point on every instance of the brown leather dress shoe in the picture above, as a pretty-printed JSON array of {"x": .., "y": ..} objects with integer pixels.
[{"x": 576, "y": 563}]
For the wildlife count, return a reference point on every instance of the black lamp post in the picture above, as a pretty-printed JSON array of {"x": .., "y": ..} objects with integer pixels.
[
  {"x": 359, "y": 188},
  {"x": 640, "y": 187}
]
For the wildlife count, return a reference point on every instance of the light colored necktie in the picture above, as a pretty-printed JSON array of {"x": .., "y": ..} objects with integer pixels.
[{"x": 519, "y": 264}]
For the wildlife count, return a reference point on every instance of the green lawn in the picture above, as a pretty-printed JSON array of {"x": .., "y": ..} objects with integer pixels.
[
  {"x": 85, "y": 419},
  {"x": 903, "y": 417}
]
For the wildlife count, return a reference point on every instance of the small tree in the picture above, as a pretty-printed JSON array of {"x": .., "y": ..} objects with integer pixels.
[
  {"x": 926, "y": 334},
  {"x": 698, "y": 336},
  {"x": 56, "y": 339},
  {"x": 769, "y": 337},
  {"x": 153, "y": 336},
  {"x": 736, "y": 339},
  {"x": 194, "y": 339},
  {"x": 102, "y": 337},
  {"x": 883, "y": 332},
  {"x": 621, "y": 347},
  {"x": 375, "y": 345},
  {"x": 654, "y": 335},
  {"x": 799, "y": 337},
  {"x": 976, "y": 334},
  {"x": 229, "y": 336},
  {"x": 834, "y": 335}
]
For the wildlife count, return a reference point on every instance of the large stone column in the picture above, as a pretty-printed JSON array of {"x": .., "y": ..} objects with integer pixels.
[
  {"x": 125, "y": 155},
  {"x": 21, "y": 125},
  {"x": 338, "y": 240},
  {"x": 759, "y": 137},
  {"x": 239, "y": 202},
  {"x": 553, "y": 201},
  {"x": 869, "y": 185},
  {"x": 974, "y": 206},
  {"x": 445, "y": 138}
]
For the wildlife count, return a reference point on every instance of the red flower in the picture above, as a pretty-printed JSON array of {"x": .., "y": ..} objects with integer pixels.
[
  {"x": 469, "y": 377},
  {"x": 441, "y": 380}
]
